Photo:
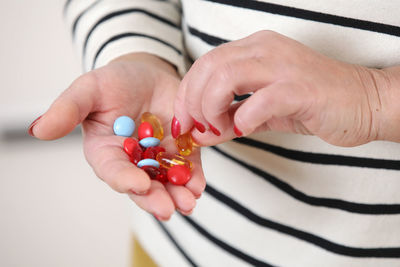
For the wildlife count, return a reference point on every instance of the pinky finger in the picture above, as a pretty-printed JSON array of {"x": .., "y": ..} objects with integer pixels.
[
  {"x": 278, "y": 101},
  {"x": 157, "y": 201}
]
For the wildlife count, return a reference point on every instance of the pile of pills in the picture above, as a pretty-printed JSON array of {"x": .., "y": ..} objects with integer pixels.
[{"x": 146, "y": 152}]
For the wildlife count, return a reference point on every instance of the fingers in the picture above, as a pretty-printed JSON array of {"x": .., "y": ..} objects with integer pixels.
[
  {"x": 111, "y": 164},
  {"x": 197, "y": 183},
  {"x": 210, "y": 139},
  {"x": 183, "y": 199},
  {"x": 188, "y": 109},
  {"x": 215, "y": 106},
  {"x": 275, "y": 102},
  {"x": 68, "y": 110},
  {"x": 157, "y": 201},
  {"x": 237, "y": 77}
]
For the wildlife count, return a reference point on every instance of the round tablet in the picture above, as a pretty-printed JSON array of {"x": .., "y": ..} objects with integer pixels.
[{"x": 124, "y": 126}]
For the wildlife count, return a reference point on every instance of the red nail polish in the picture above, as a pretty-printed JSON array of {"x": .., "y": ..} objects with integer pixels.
[
  {"x": 175, "y": 128},
  {"x": 199, "y": 126},
  {"x": 141, "y": 193},
  {"x": 30, "y": 129},
  {"x": 214, "y": 130},
  {"x": 237, "y": 131}
]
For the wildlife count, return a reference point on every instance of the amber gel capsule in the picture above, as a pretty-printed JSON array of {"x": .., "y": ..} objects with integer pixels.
[
  {"x": 158, "y": 131},
  {"x": 184, "y": 143},
  {"x": 167, "y": 160}
]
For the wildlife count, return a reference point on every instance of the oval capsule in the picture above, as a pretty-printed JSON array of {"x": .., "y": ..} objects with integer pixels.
[
  {"x": 184, "y": 143},
  {"x": 136, "y": 155},
  {"x": 163, "y": 175},
  {"x": 151, "y": 171},
  {"x": 158, "y": 131},
  {"x": 129, "y": 145},
  {"x": 167, "y": 160}
]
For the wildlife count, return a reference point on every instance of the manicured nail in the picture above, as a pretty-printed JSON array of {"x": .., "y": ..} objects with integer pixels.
[
  {"x": 199, "y": 126},
  {"x": 175, "y": 128},
  {"x": 140, "y": 193},
  {"x": 30, "y": 129},
  {"x": 214, "y": 130},
  {"x": 237, "y": 131}
]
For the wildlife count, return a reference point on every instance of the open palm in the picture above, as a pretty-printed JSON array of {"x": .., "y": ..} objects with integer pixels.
[{"x": 130, "y": 86}]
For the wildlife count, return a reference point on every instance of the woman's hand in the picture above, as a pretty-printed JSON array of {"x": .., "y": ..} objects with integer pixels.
[
  {"x": 130, "y": 85},
  {"x": 294, "y": 89}
]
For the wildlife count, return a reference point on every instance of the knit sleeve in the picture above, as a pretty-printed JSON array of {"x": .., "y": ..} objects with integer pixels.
[{"x": 103, "y": 30}]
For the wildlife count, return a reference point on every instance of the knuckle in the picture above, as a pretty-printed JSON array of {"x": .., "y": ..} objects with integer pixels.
[
  {"x": 264, "y": 34},
  {"x": 206, "y": 61},
  {"x": 224, "y": 73}
]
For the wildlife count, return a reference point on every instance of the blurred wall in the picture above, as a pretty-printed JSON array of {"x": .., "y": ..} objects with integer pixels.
[{"x": 54, "y": 211}]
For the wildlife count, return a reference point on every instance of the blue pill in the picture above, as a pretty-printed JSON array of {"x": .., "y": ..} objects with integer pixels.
[
  {"x": 148, "y": 162},
  {"x": 149, "y": 141},
  {"x": 124, "y": 126}
]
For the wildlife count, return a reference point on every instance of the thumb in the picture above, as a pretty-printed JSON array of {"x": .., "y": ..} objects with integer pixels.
[{"x": 67, "y": 111}]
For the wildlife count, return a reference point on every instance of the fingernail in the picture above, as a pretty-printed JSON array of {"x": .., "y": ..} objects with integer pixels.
[
  {"x": 199, "y": 126},
  {"x": 30, "y": 129},
  {"x": 186, "y": 213},
  {"x": 160, "y": 218},
  {"x": 237, "y": 131},
  {"x": 139, "y": 193},
  {"x": 214, "y": 130},
  {"x": 175, "y": 128}
]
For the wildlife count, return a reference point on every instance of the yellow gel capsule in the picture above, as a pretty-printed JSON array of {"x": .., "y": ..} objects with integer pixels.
[
  {"x": 158, "y": 131},
  {"x": 167, "y": 160},
  {"x": 184, "y": 143}
]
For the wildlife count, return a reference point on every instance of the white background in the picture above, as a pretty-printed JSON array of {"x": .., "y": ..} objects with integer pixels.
[{"x": 54, "y": 211}]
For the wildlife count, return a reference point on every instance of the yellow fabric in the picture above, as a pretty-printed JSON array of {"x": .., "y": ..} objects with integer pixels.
[{"x": 140, "y": 258}]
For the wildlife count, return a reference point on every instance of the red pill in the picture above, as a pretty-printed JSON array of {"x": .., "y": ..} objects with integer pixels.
[
  {"x": 159, "y": 149},
  {"x": 136, "y": 155},
  {"x": 129, "y": 145},
  {"x": 179, "y": 175},
  {"x": 151, "y": 171},
  {"x": 145, "y": 130},
  {"x": 162, "y": 176},
  {"x": 150, "y": 153}
]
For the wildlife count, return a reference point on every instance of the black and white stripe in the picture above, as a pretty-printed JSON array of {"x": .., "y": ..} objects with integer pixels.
[{"x": 103, "y": 29}]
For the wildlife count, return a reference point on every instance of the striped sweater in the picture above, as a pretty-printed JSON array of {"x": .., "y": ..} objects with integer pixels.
[{"x": 272, "y": 199}]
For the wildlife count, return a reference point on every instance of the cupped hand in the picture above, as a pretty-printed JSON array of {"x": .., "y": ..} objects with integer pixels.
[
  {"x": 130, "y": 85},
  {"x": 293, "y": 89}
]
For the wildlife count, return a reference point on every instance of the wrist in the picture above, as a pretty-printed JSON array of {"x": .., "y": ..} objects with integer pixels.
[
  {"x": 388, "y": 86},
  {"x": 148, "y": 59}
]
